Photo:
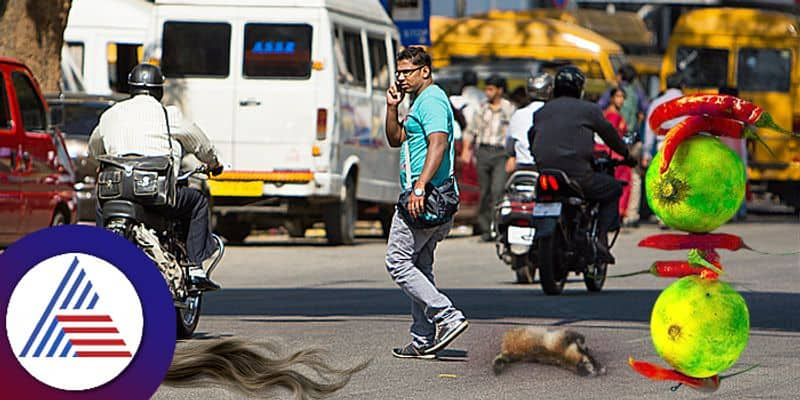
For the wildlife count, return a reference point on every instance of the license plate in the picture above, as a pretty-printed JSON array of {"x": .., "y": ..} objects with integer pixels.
[
  {"x": 547, "y": 210},
  {"x": 521, "y": 235},
  {"x": 236, "y": 188}
]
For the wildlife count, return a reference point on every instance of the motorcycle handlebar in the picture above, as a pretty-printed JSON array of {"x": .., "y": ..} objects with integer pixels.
[{"x": 201, "y": 169}]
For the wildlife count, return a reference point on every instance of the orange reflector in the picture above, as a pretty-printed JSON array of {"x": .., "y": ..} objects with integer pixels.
[
  {"x": 301, "y": 176},
  {"x": 317, "y": 65},
  {"x": 316, "y": 151},
  {"x": 322, "y": 123}
]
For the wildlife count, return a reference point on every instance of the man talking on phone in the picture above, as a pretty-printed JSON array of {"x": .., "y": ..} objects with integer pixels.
[{"x": 426, "y": 157}]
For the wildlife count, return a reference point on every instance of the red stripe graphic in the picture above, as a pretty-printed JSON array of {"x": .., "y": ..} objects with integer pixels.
[
  {"x": 90, "y": 330},
  {"x": 103, "y": 354},
  {"x": 83, "y": 318},
  {"x": 97, "y": 342}
]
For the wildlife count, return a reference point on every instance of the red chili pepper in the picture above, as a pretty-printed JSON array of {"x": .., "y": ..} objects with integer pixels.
[
  {"x": 674, "y": 269},
  {"x": 657, "y": 373},
  {"x": 674, "y": 241},
  {"x": 715, "y": 105},
  {"x": 718, "y": 126}
]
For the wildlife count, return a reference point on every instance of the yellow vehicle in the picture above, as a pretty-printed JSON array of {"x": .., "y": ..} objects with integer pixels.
[
  {"x": 475, "y": 41},
  {"x": 755, "y": 51},
  {"x": 623, "y": 27}
]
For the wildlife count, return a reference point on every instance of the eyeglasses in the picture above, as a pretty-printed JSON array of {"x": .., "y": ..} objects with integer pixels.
[{"x": 406, "y": 72}]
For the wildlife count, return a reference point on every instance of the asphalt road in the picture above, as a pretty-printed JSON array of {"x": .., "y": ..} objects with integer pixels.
[{"x": 304, "y": 294}]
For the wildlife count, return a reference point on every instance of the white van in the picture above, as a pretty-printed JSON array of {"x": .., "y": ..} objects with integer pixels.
[
  {"x": 293, "y": 95},
  {"x": 104, "y": 39}
]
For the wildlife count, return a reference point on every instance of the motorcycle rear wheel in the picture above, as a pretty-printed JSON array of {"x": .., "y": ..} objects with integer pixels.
[
  {"x": 552, "y": 275},
  {"x": 186, "y": 319}
]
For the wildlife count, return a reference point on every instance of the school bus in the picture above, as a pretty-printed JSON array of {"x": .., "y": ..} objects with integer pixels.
[
  {"x": 755, "y": 51},
  {"x": 623, "y": 27},
  {"x": 480, "y": 40}
]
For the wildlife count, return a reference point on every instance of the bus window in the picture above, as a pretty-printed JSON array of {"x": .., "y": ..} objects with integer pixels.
[
  {"x": 354, "y": 58},
  {"x": 196, "y": 49},
  {"x": 122, "y": 57},
  {"x": 379, "y": 63},
  {"x": 76, "y": 51},
  {"x": 277, "y": 50},
  {"x": 764, "y": 70},
  {"x": 702, "y": 67}
]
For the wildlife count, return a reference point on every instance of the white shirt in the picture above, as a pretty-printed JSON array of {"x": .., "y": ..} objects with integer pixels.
[
  {"x": 651, "y": 137},
  {"x": 138, "y": 126},
  {"x": 469, "y": 101},
  {"x": 521, "y": 122}
]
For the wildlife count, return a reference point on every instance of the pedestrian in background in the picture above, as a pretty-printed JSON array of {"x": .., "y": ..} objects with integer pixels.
[
  {"x": 539, "y": 89},
  {"x": 621, "y": 172},
  {"x": 427, "y": 154},
  {"x": 487, "y": 131},
  {"x": 471, "y": 96},
  {"x": 739, "y": 146},
  {"x": 633, "y": 111},
  {"x": 652, "y": 141}
]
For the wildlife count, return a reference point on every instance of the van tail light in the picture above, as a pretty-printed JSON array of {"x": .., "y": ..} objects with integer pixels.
[{"x": 322, "y": 123}]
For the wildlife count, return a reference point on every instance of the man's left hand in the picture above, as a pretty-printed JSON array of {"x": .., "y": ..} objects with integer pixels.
[{"x": 416, "y": 205}]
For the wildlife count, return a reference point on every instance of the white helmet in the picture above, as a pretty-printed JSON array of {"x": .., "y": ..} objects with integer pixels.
[{"x": 540, "y": 86}]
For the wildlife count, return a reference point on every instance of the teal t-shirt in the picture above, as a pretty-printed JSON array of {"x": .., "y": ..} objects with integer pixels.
[{"x": 430, "y": 113}]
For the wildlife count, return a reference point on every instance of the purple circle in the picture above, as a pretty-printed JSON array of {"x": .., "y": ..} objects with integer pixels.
[{"x": 142, "y": 377}]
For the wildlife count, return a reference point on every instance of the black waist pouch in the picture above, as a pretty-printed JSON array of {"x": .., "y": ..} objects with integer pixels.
[{"x": 441, "y": 203}]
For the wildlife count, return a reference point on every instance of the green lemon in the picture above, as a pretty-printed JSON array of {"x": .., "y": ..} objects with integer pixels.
[
  {"x": 702, "y": 188},
  {"x": 700, "y": 326}
]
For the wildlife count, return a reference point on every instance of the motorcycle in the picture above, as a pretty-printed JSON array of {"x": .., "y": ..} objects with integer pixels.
[
  {"x": 132, "y": 192},
  {"x": 565, "y": 226},
  {"x": 512, "y": 224}
]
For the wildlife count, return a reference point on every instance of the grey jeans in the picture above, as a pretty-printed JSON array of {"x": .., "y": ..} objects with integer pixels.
[{"x": 409, "y": 260}]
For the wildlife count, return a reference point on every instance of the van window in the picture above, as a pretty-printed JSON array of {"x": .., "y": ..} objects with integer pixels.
[
  {"x": 76, "y": 52},
  {"x": 353, "y": 54},
  {"x": 199, "y": 49},
  {"x": 122, "y": 57},
  {"x": 702, "y": 67},
  {"x": 5, "y": 121},
  {"x": 30, "y": 105},
  {"x": 277, "y": 50},
  {"x": 379, "y": 62},
  {"x": 764, "y": 70}
]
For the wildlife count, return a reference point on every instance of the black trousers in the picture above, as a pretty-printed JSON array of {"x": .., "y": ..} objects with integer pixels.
[
  {"x": 606, "y": 191},
  {"x": 191, "y": 209},
  {"x": 492, "y": 176}
]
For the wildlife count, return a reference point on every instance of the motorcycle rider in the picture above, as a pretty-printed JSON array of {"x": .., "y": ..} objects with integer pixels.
[
  {"x": 140, "y": 125},
  {"x": 539, "y": 89},
  {"x": 562, "y": 138}
]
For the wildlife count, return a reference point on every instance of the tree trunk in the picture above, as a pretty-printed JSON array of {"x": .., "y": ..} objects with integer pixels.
[{"x": 32, "y": 31}]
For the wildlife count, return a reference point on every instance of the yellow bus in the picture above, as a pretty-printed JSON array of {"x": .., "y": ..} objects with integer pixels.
[
  {"x": 484, "y": 41},
  {"x": 755, "y": 51},
  {"x": 623, "y": 27}
]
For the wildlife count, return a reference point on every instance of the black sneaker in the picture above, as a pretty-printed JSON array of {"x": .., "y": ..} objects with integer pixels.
[
  {"x": 411, "y": 351},
  {"x": 446, "y": 333}
]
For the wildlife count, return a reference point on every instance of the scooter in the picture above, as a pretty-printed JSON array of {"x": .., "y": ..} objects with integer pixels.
[{"x": 513, "y": 223}]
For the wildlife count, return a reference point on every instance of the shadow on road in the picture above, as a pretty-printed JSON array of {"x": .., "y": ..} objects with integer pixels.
[{"x": 767, "y": 310}]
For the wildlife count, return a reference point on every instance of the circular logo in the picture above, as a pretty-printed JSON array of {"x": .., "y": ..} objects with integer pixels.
[
  {"x": 88, "y": 326},
  {"x": 87, "y": 316}
]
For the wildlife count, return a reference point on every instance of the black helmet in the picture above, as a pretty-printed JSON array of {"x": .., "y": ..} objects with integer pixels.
[
  {"x": 569, "y": 81},
  {"x": 146, "y": 79},
  {"x": 540, "y": 86}
]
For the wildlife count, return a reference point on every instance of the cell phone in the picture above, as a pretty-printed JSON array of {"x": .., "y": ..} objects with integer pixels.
[{"x": 399, "y": 89}]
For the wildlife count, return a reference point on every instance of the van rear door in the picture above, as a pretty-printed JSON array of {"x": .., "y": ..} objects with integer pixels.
[
  {"x": 276, "y": 93},
  {"x": 196, "y": 62}
]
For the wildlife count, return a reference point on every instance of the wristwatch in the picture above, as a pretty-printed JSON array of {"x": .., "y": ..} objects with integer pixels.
[{"x": 418, "y": 192}]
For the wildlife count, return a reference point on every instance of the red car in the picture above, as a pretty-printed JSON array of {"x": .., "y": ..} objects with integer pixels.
[{"x": 36, "y": 174}]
